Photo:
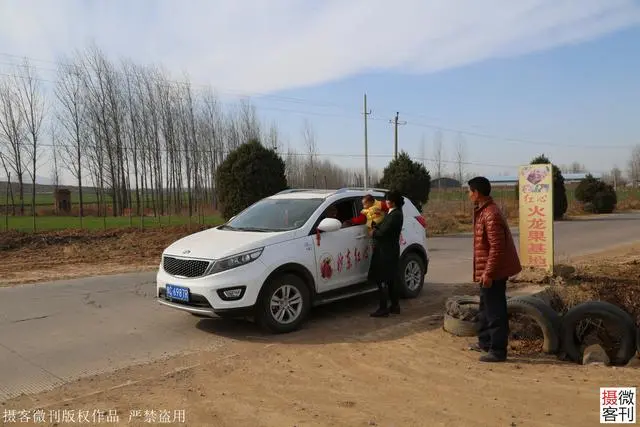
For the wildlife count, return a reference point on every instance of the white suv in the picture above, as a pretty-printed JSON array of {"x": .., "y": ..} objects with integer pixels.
[{"x": 281, "y": 256}]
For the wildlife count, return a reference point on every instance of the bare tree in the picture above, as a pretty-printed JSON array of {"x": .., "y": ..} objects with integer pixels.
[
  {"x": 273, "y": 138},
  {"x": 438, "y": 154},
  {"x": 71, "y": 115},
  {"x": 55, "y": 170},
  {"x": 8, "y": 191},
  {"x": 461, "y": 150},
  {"x": 32, "y": 104},
  {"x": 310, "y": 144},
  {"x": 12, "y": 131},
  {"x": 614, "y": 178},
  {"x": 249, "y": 125},
  {"x": 634, "y": 166},
  {"x": 574, "y": 167},
  {"x": 422, "y": 152}
]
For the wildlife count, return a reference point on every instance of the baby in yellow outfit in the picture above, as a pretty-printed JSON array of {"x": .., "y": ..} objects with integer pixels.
[{"x": 374, "y": 211}]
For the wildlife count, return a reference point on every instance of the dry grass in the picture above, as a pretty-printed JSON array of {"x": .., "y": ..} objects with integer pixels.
[
  {"x": 452, "y": 216},
  {"x": 614, "y": 278},
  {"x": 35, "y": 257}
]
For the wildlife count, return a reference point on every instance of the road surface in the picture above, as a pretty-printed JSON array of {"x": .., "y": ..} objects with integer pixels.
[{"x": 52, "y": 333}]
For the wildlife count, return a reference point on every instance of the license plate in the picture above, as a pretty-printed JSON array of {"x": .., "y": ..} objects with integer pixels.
[{"x": 178, "y": 293}]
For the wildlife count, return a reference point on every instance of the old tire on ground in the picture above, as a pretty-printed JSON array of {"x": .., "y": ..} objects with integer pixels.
[
  {"x": 463, "y": 307},
  {"x": 460, "y": 328},
  {"x": 608, "y": 312},
  {"x": 411, "y": 274},
  {"x": 283, "y": 304},
  {"x": 545, "y": 317}
]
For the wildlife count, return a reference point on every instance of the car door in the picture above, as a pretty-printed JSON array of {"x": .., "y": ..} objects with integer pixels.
[
  {"x": 338, "y": 254},
  {"x": 362, "y": 247}
]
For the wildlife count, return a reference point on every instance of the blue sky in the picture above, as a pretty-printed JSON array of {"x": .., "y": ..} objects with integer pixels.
[
  {"x": 559, "y": 72},
  {"x": 565, "y": 99}
]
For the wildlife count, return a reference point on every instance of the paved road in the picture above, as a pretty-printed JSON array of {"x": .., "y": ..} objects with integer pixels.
[{"x": 51, "y": 333}]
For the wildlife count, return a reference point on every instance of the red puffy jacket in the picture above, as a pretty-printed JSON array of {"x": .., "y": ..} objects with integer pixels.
[{"x": 494, "y": 252}]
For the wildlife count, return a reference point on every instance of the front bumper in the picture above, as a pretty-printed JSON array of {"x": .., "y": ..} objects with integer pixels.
[{"x": 204, "y": 295}]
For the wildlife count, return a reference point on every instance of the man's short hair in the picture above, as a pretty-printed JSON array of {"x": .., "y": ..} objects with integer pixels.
[
  {"x": 395, "y": 197},
  {"x": 369, "y": 198},
  {"x": 481, "y": 185}
]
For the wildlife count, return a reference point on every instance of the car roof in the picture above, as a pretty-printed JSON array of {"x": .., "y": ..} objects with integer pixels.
[{"x": 315, "y": 193}]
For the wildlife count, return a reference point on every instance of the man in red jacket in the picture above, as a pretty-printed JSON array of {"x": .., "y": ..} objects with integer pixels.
[{"x": 495, "y": 259}]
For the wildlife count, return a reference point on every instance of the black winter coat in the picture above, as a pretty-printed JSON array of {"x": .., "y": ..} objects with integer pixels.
[{"x": 386, "y": 248}]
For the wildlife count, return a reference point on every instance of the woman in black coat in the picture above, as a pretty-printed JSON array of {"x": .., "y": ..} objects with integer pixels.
[{"x": 385, "y": 259}]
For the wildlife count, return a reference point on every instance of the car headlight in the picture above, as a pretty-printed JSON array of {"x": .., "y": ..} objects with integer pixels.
[{"x": 234, "y": 261}]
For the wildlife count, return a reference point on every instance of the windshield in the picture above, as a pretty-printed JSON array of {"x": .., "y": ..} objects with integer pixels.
[{"x": 274, "y": 215}]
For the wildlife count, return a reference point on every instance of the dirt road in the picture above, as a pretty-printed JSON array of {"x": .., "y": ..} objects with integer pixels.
[
  {"x": 345, "y": 369},
  {"x": 52, "y": 333}
]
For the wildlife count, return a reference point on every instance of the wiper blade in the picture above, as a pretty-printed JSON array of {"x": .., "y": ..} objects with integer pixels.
[{"x": 260, "y": 230}]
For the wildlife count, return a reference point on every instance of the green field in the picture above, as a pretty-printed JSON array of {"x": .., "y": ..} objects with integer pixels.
[
  {"x": 43, "y": 223},
  {"x": 507, "y": 193}
]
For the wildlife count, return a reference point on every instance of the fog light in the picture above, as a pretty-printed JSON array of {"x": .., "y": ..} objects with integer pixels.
[{"x": 231, "y": 294}]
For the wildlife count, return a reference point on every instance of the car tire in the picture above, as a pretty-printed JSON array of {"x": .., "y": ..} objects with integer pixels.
[
  {"x": 460, "y": 328},
  {"x": 464, "y": 307},
  {"x": 604, "y": 310},
  {"x": 411, "y": 275},
  {"x": 293, "y": 294},
  {"x": 547, "y": 319}
]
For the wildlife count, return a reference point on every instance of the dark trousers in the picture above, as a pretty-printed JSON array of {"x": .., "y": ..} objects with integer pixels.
[
  {"x": 388, "y": 291},
  {"x": 493, "y": 333}
]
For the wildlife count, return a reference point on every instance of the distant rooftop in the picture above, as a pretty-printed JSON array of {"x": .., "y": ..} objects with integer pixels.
[{"x": 513, "y": 179}]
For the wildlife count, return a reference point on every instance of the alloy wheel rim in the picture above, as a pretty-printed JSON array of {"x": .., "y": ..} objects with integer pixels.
[
  {"x": 412, "y": 274},
  {"x": 286, "y": 304}
]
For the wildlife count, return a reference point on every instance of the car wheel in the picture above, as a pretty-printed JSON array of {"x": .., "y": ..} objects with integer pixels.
[
  {"x": 284, "y": 304},
  {"x": 411, "y": 275}
]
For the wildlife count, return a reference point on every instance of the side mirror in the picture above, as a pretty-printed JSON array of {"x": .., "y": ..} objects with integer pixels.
[{"x": 329, "y": 224}]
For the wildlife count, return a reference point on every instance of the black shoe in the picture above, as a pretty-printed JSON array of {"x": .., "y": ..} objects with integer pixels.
[
  {"x": 492, "y": 358},
  {"x": 476, "y": 347},
  {"x": 381, "y": 312},
  {"x": 395, "y": 309}
]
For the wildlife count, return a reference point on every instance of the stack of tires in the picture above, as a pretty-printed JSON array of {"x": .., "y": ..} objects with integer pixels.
[{"x": 559, "y": 332}]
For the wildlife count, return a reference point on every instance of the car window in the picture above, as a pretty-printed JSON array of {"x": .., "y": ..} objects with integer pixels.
[
  {"x": 343, "y": 210},
  {"x": 275, "y": 215}
]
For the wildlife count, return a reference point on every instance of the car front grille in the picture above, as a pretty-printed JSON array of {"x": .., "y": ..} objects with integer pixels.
[{"x": 184, "y": 267}]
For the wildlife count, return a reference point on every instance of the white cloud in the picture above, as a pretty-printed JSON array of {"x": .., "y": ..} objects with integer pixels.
[{"x": 269, "y": 45}]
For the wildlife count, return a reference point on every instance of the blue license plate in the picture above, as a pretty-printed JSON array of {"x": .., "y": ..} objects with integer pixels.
[{"x": 178, "y": 293}]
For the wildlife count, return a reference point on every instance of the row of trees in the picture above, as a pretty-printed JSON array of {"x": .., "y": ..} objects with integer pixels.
[
  {"x": 253, "y": 171},
  {"x": 142, "y": 139},
  {"x": 145, "y": 140}
]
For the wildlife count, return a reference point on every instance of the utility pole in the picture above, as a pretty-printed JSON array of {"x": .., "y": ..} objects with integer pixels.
[
  {"x": 395, "y": 124},
  {"x": 366, "y": 144}
]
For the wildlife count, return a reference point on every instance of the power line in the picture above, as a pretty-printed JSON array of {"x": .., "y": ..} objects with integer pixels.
[
  {"x": 227, "y": 150},
  {"x": 302, "y": 101}
]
